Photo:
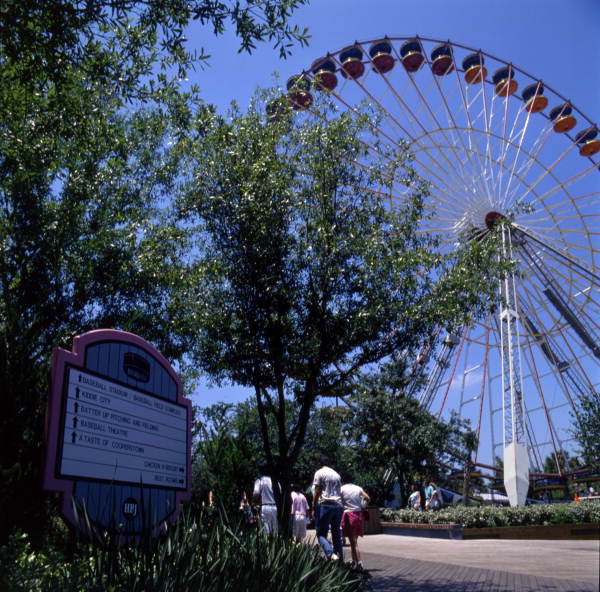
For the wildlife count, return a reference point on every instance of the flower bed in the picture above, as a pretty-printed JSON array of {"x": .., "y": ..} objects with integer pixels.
[{"x": 491, "y": 516}]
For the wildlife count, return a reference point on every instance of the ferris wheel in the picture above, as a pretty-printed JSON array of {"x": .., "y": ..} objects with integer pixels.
[{"x": 497, "y": 146}]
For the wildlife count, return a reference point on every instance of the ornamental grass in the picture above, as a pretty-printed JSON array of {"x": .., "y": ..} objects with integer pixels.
[{"x": 210, "y": 554}]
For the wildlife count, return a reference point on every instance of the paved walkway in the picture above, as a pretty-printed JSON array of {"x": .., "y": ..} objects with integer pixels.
[{"x": 417, "y": 564}]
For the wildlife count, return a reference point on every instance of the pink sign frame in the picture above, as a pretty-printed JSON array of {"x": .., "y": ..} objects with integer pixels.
[{"x": 75, "y": 358}]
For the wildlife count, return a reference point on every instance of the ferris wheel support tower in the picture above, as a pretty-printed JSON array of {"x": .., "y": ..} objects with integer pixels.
[{"x": 516, "y": 454}]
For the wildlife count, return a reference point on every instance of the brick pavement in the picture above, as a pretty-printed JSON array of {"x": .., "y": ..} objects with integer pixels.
[{"x": 415, "y": 564}]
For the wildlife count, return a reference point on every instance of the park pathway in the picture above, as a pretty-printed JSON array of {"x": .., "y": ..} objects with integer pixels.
[{"x": 417, "y": 564}]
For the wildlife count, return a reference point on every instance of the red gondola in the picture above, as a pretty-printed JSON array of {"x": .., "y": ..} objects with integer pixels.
[
  {"x": 352, "y": 65},
  {"x": 323, "y": 71},
  {"x": 381, "y": 57},
  {"x": 442, "y": 61},
  {"x": 299, "y": 92},
  {"x": 412, "y": 56}
]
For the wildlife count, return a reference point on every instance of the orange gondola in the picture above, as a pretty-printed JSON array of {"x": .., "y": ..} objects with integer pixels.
[
  {"x": 504, "y": 81},
  {"x": 534, "y": 98},
  {"x": 381, "y": 57},
  {"x": 589, "y": 144},
  {"x": 562, "y": 118},
  {"x": 411, "y": 54},
  {"x": 475, "y": 71}
]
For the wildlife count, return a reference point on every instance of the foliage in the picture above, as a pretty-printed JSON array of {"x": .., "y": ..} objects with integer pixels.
[
  {"x": 93, "y": 126},
  {"x": 214, "y": 557},
  {"x": 397, "y": 435},
  {"x": 134, "y": 35},
  {"x": 587, "y": 428},
  {"x": 491, "y": 516},
  {"x": 226, "y": 459},
  {"x": 85, "y": 245},
  {"x": 307, "y": 276},
  {"x": 229, "y": 455}
]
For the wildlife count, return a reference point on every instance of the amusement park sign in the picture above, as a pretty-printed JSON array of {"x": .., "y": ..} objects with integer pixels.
[{"x": 118, "y": 433}]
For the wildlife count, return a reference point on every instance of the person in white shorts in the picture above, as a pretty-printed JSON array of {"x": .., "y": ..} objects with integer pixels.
[
  {"x": 263, "y": 496},
  {"x": 299, "y": 512}
]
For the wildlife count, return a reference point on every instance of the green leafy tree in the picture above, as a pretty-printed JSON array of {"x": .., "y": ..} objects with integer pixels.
[
  {"x": 586, "y": 430},
  {"x": 398, "y": 436},
  {"x": 225, "y": 458},
  {"x": 307, "y": 275},
  {"x": 229, "y": 455},
  {"x": 92, "y": 138}
]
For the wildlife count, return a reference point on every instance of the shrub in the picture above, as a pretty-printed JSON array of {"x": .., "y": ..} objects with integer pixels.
[
  {"x": 191, "y": 556},
  {"x": 490, "y": 516}
]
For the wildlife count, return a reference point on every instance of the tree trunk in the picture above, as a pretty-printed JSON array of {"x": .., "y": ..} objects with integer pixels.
[{"x": 466, "y": 482}]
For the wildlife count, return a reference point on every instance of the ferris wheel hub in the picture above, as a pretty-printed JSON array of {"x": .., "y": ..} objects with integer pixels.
[{"x": 492, "y": 218}]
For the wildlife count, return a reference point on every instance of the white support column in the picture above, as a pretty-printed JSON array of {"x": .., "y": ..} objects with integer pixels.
[{"x": 516, "y": 457}]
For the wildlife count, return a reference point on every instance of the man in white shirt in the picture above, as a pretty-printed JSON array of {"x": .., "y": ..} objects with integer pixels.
[
  {"x": 328, "y": 509},
  {"x": 263, "y": 495}
]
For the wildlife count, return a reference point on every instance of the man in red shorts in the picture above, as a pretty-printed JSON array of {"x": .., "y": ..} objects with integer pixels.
[{"x": 354, "y": 498}]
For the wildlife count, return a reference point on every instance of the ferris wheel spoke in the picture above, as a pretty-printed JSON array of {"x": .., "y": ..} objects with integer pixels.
[
  {"x": 504, "y": 202},
  {"x": 576, "y": 318},
  {"x": 562, "y": 186},
  {"x": 547, "y": 172},
  {"x": 503, "y": 148},
  {"x": 451, "y": 120},
  {"x": 425, "y": 104},
  {"x": 400, "y": 127},
  {"x": 441, "y": 181},
  {"x": 472, "y": 139},
  {"x": 568, "y": 259},
  {"x": 532, "y": 156}
]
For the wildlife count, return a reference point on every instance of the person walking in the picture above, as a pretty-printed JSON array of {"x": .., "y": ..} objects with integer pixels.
[
  {"x": 299, "y": 513},
  {"x": 432, "y": 497},
  {"x": 354, "y": 498},
  {"x": 264, "y": 497},
  {"x": 328, "y": 509}
]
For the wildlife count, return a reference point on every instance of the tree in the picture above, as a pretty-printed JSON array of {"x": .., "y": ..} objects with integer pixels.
[
  {"x": 397, "y": 435},
  {"x": 224, "y": 459},
  {"x": 135, "y": 34},
  {"x": 92, "y": 143},
  {"x": 586, "y": 428},
  {"x": 307, "y": 276},
  {"x": 229, "y": 454}
]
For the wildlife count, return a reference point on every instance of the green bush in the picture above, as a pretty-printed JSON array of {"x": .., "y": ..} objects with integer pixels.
[
  {"x": 213, "y": 557},
  {"x": 490, "y": 516}
]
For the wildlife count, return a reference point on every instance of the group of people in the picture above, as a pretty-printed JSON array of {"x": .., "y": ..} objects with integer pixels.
[
  {"x": 433, "y": 497},
  {"x": 336, "y": 508}
]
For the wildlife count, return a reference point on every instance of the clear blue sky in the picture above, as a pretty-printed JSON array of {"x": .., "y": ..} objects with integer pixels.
[{"x": 554, "y": 40}]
